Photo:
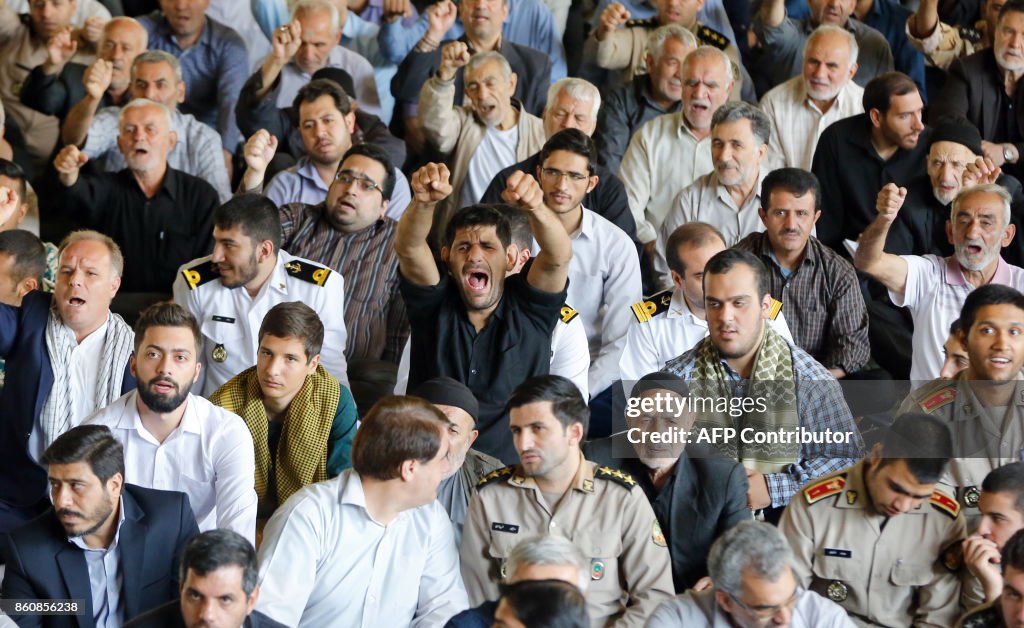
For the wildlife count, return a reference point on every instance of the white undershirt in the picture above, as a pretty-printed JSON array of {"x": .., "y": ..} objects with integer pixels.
[{"x": 496, "y": 151}]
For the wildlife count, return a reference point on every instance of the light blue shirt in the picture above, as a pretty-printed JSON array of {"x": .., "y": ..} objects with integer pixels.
[
  {"x": 712, "y": 14},
  {"x": 529, "y": 23},
  {"x": 302, "y": 184},
  {"x": 105, "y": 577}
]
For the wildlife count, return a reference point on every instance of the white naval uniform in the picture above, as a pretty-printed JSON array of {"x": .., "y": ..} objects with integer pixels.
[
  {"x": 666, "y": 329},
  {"x": 209, "y": 457},
  {"x": 230, "y": 319},
  {"x": 325, "y": 561}
]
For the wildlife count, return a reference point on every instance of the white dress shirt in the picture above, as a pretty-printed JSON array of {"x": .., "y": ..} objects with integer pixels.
[
  {"x": 230, "y": 319},
  {"x": 324, "y": 561},
  {"x": 662, "y": 158},
  {"x": 797, "y": 123},
  {"x": 604, "y": 280},
  {"x": 652, "y": 343},
  {"x": 209, "y": 457}
]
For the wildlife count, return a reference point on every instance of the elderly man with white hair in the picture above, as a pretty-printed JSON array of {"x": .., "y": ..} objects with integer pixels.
[
  {"x": 753, "y": 584},
  {"x": 311, "y": 41},
  {"x": 485, "y": 135},
  {"x": 549, "y": 557},
  {"x": 802, "y": 107},
  {"x": 574, "y": 103},
  {"x": 159, "y": 216},
  {"x": 934, "y": 288}
]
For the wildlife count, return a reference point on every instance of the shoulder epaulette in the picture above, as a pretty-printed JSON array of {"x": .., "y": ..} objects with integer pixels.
[
  {"x": 970, "y": 34},
  {"x": 567, "y": 313},
  {"x": 824, "y": 488},
  {"x": 945, "y": 503},
  {"x": 774, "y": 309},
  {"x": 652, "y": 306},
  {"x": 494, "y": 476},
  {"x": 308, "y": 271},
  {"x": 643, "y": 23},
  {"x": 199, "y": 274},
  {"x": 710, "y": 36},
  {"x": 621, "y": 478},
  {"x": 944, "y": 396}
]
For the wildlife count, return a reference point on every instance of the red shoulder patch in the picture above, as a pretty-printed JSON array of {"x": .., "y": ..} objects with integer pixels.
[
  {"x": 945, "y": 503},
  {"x": 939, "y": 399},
  {"x": 823, "y": 488}
]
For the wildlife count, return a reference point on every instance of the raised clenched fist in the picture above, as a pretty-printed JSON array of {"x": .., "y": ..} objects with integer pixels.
[{"x": 431, "y": 183}]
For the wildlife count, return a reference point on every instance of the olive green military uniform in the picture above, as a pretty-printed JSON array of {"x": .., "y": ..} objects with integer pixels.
[
  {"x": 887, "y": 571},
  {"x": 604, "y": 513}
]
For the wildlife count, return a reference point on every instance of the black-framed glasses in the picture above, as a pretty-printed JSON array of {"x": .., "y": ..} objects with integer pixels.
[
  {"x": 556, "y": 174},
  {"x": 366, "y": 184},
  {"x": 764, "y": 613}
]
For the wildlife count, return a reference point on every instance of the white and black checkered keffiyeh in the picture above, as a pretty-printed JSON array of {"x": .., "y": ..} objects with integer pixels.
[{"x": 56, "y": 416}]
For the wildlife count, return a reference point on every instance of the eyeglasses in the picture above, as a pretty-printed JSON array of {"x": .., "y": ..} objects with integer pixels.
[
  {"x": 366, "y": 184},
  {"x": 555, "y": 174},
  {"x": 764, "y": 613}
]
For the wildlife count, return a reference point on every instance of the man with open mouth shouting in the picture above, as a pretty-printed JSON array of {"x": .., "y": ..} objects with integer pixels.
[{"x": 472, "y": 323}]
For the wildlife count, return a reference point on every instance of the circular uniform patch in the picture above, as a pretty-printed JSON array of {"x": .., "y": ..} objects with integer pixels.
[
  {"x": 219, "y": 353},
  {"x": 596, "y": 569},
  {"x": 657, "y": 535},
  {"x": 837, "y": 591},
  {"x": 972, "y": 496}
]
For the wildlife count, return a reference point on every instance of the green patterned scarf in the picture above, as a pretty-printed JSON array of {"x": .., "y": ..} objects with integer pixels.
[{"x": 772, "y": 381}]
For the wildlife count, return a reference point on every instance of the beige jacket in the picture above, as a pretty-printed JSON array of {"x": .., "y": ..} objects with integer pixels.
[
  {"x": 454, "y": 131},
  {"x": 20, "y": 52}
]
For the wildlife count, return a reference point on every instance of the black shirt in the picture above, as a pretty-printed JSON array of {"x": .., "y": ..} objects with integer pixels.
[
  {"x": 607, "y": 199},
  {"x": 625, "y": 110},
  {"x": 156, "y": 235},
  {"x": 851, "y": 174},
  {"x": 514, "y": 345}
]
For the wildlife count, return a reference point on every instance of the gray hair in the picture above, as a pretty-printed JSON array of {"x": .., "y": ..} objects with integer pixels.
[
  {"x": 738, "y": 110},
  {"x": 575, "y": 88},
  {"x": 130, "y": 21},
  {"x": 158, "y": 56},
  {"x": 832, "y": 29},
  {"x": 549, "y": 550},
  {"x": 988, "y": 188},
  {"x": 88, "y": 235},
  {"x": 659, "y": 36},
  {"x": 701, "y": 52},
  {"x": 750, "y": 545},
  {"x": 306, "y": 6},
  {"x": 481, "y": 58},
  {"x": 145, "y": 102}
]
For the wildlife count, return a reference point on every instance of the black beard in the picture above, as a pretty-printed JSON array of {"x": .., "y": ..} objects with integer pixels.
[{"x": 159, "y": 403}]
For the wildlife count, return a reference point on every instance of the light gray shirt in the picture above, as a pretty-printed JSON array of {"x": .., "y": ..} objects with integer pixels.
[
  {"x": 197, "y": 152},
  {"x": 105, "y": 577},
  {"x": 363, "y": 81},
  {"x": 697, "y": 610}
]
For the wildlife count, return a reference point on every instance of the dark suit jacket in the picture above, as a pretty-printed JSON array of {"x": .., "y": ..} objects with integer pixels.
[
  {"x": 169, "y": 616},
  {"x": 706, "y": 496},
  {"x": 974, "y": 89},
  {"x": 533, "y": 69},
  {"x": 29, "y": 380},
  {"x": 56, "y": 94},
  {"x": 42, "y": 563}
]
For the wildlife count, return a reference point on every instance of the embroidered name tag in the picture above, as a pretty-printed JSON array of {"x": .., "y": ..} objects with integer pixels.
[
  {"x": 505, "y": 527},
  {"x": 223, "y": 319},
  {"x": 838, "y": 553}
]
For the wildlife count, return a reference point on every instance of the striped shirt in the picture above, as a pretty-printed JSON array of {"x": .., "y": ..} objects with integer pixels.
[{"x": 374, "y": 311}]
